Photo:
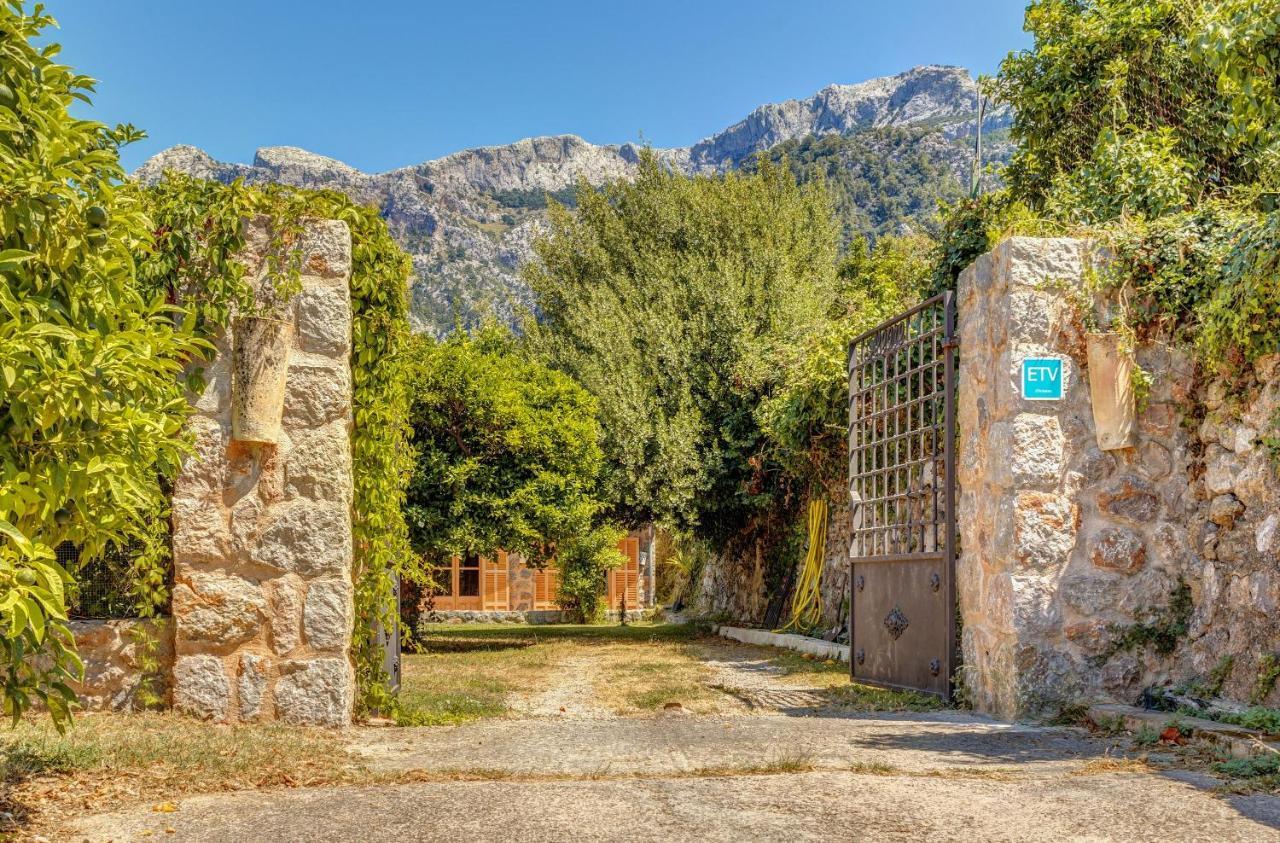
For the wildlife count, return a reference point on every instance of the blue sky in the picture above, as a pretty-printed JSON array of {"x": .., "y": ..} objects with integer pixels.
[{"x": 382, "y": 85}]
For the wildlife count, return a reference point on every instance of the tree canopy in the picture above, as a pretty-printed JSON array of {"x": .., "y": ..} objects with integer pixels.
[
  {"x": 507, "y": 449},
  {"x": 92, "y": 405},
  {"x": 665, "y": 297}
]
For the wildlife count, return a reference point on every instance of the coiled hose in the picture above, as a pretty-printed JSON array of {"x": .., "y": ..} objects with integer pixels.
[{"x": 806, "y": 601}]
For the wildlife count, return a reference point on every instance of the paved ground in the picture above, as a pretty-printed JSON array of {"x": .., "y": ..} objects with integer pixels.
[{"x": 785, "y": 770}]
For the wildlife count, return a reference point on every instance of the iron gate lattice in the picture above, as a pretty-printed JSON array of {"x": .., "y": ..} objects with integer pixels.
[{"x": 902, "y": 377}]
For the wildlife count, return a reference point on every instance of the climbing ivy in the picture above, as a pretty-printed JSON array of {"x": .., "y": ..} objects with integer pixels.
[{"x": 191, "y": 257}]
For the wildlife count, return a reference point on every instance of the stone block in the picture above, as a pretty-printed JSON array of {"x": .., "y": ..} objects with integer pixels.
[
  {"x": 1155, "y": 460},
  {"x": 1089, "y": 594},
  {"x": 326, "y": 619},
  {"x": 324, "y": 322},
  {"x": 1030, "y": 451},
  {"x": 1267, "y": 537},
  {"x": 316, "y": 394},
  {"x": 1170, "y": 543},
  {"x": 1221, "y": 469},
  {"x": 318, "y": 466},
  {"x": 310, "y": 538},
  {"x": 326, "y": 249},
  {"x": 286, "y": 615},
  {"x": 1129, "y": 498},
  {"x": 1118, "y": 549},
  {"x": 1035, "y": 605},
  {"x": 252, "y": 685},
  {"x": 317, "y": 692},
  {"x": 218, "y": 609},
  {"x": 1225, "y": 509},
  {"x": 1038, "y": 529},
  {"x": 1091, "y": 636},
  {"x": 200, "y": 687}
]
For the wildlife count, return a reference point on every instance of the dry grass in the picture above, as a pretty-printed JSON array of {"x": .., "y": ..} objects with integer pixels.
[
  {"x": 464, "y": 677},
  {"x": 630, "y": 680},
  {"x": 1105, "y": 766},
  {"x": 111, "y": 759}
]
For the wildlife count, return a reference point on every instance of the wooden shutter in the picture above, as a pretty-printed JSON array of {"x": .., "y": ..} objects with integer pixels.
[
  {"x": 497, "y": 594},
  {"x": 625, "y": 580},
  {"x": 546, "y": 585}
]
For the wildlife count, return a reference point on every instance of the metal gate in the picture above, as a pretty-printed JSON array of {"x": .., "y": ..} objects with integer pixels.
[{"x": 902, "y": 622}]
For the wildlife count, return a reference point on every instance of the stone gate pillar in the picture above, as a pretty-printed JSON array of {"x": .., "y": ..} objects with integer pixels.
[
  {"x": 262, "y": 601},
  {"x": 1017, "y": 508}
]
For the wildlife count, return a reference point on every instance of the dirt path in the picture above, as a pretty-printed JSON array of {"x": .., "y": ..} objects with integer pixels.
[
  {"x": 779, "y": 762},
  {"x": 568, "y": 691},
  {"x": 747, "y": 673}
]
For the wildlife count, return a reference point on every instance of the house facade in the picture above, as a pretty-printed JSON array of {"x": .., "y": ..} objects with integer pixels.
[{"x": 503, "y": 588}]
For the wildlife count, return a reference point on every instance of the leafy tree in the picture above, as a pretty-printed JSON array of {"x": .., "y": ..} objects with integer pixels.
[
  {"x": 665, "y": 298},
  {"x": 92, "y": 407},
  {"x": 805, "y": 419},
  {"x": 508, "y": 458}
]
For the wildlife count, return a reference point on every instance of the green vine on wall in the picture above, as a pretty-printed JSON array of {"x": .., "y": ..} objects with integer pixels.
[{"x": 192, "y": 259}]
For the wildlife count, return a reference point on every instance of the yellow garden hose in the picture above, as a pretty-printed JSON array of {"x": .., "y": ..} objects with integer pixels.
[{"x": 806, "y": 602}]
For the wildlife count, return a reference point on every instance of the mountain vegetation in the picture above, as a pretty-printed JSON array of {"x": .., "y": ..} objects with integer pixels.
[{"x": 886, "y": 181}]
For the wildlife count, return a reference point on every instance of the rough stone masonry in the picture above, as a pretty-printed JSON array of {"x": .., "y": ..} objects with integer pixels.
[
  {"x": 262, "y": 601},
  {"x": 1091, "y": 575}
]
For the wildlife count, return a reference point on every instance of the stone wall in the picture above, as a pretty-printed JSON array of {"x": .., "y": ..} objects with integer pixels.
[
  {"x": 262, "y": 602},
  {"x": 110, "y": 651},
  {"x": 732, "y": 588},
  {"x": 1091, "y": 575}
]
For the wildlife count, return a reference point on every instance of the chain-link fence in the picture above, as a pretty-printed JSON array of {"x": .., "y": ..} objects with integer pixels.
[
  {"x": 103, "y": 585},
  {"x": 1160, "y": 80}
]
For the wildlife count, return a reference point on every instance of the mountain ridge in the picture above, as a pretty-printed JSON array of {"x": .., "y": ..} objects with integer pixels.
[{"x": 469, "y": 218}]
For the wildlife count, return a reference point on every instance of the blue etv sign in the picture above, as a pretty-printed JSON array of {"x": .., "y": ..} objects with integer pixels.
[{"x": 1042, "y": 379}]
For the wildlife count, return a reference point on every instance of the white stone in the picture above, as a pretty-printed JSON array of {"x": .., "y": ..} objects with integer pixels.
[
  {"x": 1244, "y": 439},
  {"x": 1268, "y": 536},
  {"x": 315, "y": 693},
  {"x": 200, "y": 687},
  {"x": 327, "y": 617},
  {"x": 1221, "y": 470},
  {"x": 252, "y": 685}
]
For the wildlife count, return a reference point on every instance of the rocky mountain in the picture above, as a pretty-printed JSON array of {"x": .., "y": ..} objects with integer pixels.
[{"x": 469, "y": 219}]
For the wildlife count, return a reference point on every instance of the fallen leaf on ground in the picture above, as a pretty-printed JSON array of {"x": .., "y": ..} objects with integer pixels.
[{"x": 164, "y": 808}]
